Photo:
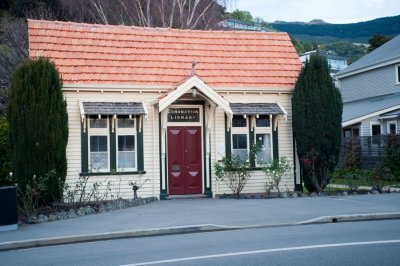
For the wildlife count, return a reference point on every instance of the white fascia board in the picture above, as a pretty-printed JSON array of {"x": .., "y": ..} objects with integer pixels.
[
  {"x": 371, "y": 67},
  {"x": 361, "y": 118},
  {"x": 201, "y": 86},
  {"x": 116, "y": 86}
]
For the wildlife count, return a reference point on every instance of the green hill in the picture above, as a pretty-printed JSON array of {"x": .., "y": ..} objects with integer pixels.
[{"x": 356, "y": 32}]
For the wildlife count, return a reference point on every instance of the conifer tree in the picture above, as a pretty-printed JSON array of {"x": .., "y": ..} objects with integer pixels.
[
  {"x": 317, "y": 116},
  {"x": 38, "y": 126}
]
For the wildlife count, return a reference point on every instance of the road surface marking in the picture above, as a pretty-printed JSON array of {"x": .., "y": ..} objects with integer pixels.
[{"x": 265, "y": 251}]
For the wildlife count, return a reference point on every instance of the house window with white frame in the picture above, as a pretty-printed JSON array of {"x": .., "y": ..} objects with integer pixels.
[
  {"x": 392, "y": 127},
  {"x": 98, "y": 135},
  {"x": 263, "y": 134},
  {"x": 397, "y": 74},
  {"x": 376, "y": 129},
  {"x": 240, "y": 136},
  {"x": 126, "y": 144}
]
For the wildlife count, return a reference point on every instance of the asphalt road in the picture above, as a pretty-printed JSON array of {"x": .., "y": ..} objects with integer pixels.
[{"x": 352, "y": 243}]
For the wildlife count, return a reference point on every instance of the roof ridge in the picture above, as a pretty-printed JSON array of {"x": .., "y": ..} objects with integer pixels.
[{"x": 155, "y": 29}]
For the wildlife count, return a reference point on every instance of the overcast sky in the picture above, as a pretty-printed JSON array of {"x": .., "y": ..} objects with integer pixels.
[{"x": 332, "y": 11}]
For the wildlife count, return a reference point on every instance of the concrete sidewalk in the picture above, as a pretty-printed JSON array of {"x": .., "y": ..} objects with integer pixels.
[{"x": 193, "y": 215}]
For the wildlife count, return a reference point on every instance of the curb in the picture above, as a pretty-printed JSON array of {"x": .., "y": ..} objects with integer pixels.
[{"x": 73, "y": 239}]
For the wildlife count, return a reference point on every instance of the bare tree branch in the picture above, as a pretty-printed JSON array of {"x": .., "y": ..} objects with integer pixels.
[{"x": 13, "y": 50}]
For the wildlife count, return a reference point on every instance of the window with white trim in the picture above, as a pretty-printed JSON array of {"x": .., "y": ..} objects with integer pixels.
[
  {"x": 263, "y": 133},
  {"x": 126, "y": 144},
  {"x": 397, "y": 74},
  {"x": 376, "y": 133},
  {"x": 112, "y": 143},
  {"x": 240, "y": 137},
  {"x": 392, "y": 127},
  {"x": 376, "y": 129},
  {"x": 98, "y": 136}
]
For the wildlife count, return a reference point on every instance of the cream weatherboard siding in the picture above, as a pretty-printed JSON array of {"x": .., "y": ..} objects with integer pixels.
[
  {"x": 257, "y": 181},
  {"x": 119, "y": 182},
  {"x": 120, "y": 187}
]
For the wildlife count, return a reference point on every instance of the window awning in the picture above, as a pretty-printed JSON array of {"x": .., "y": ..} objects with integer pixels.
[
  {"x": 112, "y": 108},
  {"x": 257, "y": 109}
]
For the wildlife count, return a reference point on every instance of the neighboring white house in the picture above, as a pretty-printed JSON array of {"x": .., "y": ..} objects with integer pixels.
[
  {"x": 164, "y": 105},
  {"x": 336, "y": 63},
  {"x": 370, "y": 90},
  {"x": 236, "y": 24}
]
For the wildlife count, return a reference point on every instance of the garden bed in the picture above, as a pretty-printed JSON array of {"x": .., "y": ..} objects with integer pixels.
[{"x": 69, "y": 211}]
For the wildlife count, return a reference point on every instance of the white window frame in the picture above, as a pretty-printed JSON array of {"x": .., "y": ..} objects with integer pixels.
[
  {"x": 99, "y": 132},
  {"x": 241, "y": 131},
  {"x": 131, "y": 131},
  {"x": 375, "y": 124},
  {"x": 266, "y": 131},
  {"x": 388, "y": 123},
  {"x": 397, "y": 69}
]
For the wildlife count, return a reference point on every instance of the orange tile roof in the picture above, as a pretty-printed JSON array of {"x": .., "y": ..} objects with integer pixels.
[{"x": 105, "y": 54}]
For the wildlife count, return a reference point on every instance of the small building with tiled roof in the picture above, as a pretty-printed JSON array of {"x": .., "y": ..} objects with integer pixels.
[{"x": 163, "y": 105}]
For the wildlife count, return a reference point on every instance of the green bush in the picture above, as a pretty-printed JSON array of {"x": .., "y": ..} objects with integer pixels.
[
  {"x": 274, "y": 171},
  {"x": 38, "y": 126},
  {"x": 392, "y": 156},
  {"x": 317, "y": 123}
]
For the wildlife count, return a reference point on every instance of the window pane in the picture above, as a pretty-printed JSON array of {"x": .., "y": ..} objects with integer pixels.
[
  {"x": 239, "y": 141},
  {"x": 376, "y": 130},
  {"x": 98, "y": 152},
  {"x": 356, "y": 132},
  {"x": 126, "y": 123},
  {"x": 126, "y": 143},
  {"x": 98, "y": 143},
  {"x": 126, "y": 152},
  {"x": 392, "y": 128},
  {"x": 264, "y": 142},
  {"x": 239, "y": 147},
  {"x": 98, "y": 123},
  {"x": 238, "y": 121},
  {"x": 398, "y": 74},
  {"x": 263, "y": 121},
  {"x": 98, "y": 160}
]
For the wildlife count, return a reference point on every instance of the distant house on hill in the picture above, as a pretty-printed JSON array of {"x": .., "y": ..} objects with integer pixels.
[
  {"x": 336, "y": 63},
  {"x": 370, "y": 90},
  {"x": 164, "y": 104},
  {"x": 236, "y": 24}
]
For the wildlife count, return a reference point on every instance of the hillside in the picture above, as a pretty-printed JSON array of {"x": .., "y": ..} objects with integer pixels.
[{"x": 358, "y": 32}]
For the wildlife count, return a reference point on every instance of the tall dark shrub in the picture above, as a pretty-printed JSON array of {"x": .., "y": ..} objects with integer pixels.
[
  {"x": 317, "y": 115},
  {"x": 38, "y": 126}
]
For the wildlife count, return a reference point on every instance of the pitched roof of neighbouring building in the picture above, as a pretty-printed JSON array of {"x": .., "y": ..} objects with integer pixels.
[
  {"x": 356, "y": 111},
  {"x": 380, "y": 56},
  {"x": 106, "y": 54}
]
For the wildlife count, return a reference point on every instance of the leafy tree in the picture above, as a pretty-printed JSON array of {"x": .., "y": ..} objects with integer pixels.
[
  {"x": 301, "y": 46},
  {"x": 13, "y": 50},
  {"x": 317, "y": 115},
  {"x": 346, "y": 49},
  {"x": 376, "y": 41},
  {"x": 242, "y": 15},
  {"x": 38, "y": 127}
]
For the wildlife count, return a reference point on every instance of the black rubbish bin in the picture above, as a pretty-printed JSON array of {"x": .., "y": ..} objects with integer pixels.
[{"x": 8, "y": 208}]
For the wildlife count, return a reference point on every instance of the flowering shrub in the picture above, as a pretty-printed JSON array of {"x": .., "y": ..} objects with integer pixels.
[
  {"x": 274, "y": 171},
  {"x": 234, "y": 171},
  {"x": 317, "y": 169}
]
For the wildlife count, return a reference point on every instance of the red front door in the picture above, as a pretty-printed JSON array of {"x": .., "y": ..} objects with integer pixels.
[{"x": 184, "y": 160}]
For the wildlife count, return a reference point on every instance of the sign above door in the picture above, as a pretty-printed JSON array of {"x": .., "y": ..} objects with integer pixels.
[{"x": 184, "y": 114}]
